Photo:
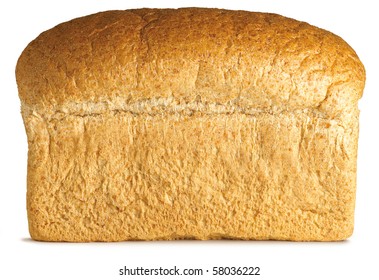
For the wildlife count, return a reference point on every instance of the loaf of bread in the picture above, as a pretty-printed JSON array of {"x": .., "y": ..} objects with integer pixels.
[{"x": 190, "y": 124}]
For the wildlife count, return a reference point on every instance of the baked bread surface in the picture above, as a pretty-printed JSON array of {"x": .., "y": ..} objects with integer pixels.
[{"x": 190, "y": 123}]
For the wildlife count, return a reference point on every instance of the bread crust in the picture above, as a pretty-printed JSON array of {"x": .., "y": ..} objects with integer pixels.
[{"x": 251, "y": 60}]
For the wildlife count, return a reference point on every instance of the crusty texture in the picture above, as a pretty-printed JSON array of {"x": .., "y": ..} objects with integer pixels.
[
  {"x": 190, "y": 123},
  {"x": 253, "y": 60}
]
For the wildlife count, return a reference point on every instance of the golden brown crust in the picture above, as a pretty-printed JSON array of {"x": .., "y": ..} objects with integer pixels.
[{"x": 250, "y": 60}]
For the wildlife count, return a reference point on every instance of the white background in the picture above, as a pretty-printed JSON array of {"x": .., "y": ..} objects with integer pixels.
[{"x": 22, "y": 258}]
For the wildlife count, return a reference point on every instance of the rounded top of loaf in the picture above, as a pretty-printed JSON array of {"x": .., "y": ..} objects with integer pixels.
[{"x": 175, "y": 57}]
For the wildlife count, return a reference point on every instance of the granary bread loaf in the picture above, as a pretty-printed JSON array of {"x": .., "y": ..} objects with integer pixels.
[{"x": 190, "y": 123}]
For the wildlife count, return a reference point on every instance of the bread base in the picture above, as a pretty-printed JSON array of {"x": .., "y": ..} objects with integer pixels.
[{"x": 123, "y": 176}]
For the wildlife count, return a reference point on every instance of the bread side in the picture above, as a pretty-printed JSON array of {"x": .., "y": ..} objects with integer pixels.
[{"x": 123, "y": 176}]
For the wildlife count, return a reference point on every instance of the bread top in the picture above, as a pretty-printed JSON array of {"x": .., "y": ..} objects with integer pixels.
[{"x": 191, "y": 58}]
